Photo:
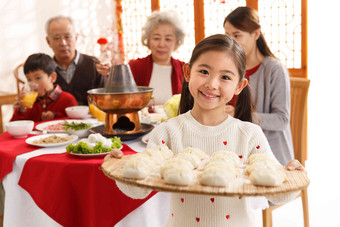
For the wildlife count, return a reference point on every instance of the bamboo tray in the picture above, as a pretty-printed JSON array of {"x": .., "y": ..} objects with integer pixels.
[{"x": 241, "y": 186}]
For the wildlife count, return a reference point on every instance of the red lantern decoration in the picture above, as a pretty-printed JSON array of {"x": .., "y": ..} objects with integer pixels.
[{"x": 102, "y": 41}]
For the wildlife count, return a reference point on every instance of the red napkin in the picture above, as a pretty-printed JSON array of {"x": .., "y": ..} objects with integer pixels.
[
  {"x": 10, "y": 148},
  {"x": 75, "y": 192}
]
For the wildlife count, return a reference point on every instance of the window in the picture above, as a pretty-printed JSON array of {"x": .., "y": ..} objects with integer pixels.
[{"x": 284, "y": 24}]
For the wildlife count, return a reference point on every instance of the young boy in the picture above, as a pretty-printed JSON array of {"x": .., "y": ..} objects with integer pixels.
[{"x": 40, "y": 72}]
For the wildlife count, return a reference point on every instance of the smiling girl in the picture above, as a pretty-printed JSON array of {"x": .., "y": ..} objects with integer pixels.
[{"x": 213, "y": 76}]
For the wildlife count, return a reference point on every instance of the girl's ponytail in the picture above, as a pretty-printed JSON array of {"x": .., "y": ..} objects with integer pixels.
[
  {"x": 244, "y": 105},
  {"x": 187, "y": 101}
]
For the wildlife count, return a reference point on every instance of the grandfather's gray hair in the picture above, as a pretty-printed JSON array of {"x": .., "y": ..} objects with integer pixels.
[
  {"x": 60, "y": 17},
  {"x": 163, "y": 17}
]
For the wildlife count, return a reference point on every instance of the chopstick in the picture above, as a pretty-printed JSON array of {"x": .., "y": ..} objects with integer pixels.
[
  {"x": 95, "y": 60},
  {"x": 45, "y": 98}
]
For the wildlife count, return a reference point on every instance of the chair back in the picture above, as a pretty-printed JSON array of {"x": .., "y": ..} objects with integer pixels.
[
  {"x": 298, "y": 120},
  {"x": 21, "y": 80}
]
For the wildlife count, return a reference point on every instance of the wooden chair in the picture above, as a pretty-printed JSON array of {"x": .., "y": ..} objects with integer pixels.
[
  {"x": 19, "y": 80},
  {"x": 7, "y": 98},
  {"x": 298, "y": 123}
]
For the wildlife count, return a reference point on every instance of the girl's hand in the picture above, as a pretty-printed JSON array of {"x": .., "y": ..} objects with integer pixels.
[
  {"x": 295, "y": 165},
  {"x": 115, "y": 153},
  {"x": 48, "y": 115},
  {"x": 103, "y": 68}
]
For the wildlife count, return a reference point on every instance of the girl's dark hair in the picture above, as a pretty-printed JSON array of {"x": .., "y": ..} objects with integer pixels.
[
  {"x": 39, "y": 61},
  {"x": 246, "y": 19},
  {"x": 220, "y": 42}
]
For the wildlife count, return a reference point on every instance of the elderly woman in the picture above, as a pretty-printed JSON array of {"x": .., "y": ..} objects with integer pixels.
[{"x": 162, "y": 34}]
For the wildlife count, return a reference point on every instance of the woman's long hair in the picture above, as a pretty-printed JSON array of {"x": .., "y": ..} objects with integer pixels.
[
  {"x": 221, "y": 42},
  {"x": 246, "y": 19}
]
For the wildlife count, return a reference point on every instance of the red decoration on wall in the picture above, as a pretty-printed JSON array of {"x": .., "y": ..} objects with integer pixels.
[
  {"x": 119, "y": 26},
  {"x": 102, "y": 41}
]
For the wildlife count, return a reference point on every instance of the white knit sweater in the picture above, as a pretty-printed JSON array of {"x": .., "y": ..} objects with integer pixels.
[{"x": 243, "y": 138}]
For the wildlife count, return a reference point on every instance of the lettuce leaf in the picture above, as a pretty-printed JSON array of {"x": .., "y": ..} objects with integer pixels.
[{"x": 83, "y": 148}]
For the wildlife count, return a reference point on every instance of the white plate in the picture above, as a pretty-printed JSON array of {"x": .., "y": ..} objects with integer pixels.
[
  {"x": 43, "y": 125},
  {"x": 34, "y": 138},
  {"x": 153, "y": 118}
]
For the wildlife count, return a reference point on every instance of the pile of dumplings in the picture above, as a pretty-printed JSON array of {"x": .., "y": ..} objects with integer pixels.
[
  {"x": 179, "y": 169},
  {"x": 264, "y": 171},
  {"x": 141, "y": 164},
  {"x": 220, "y": 169}
]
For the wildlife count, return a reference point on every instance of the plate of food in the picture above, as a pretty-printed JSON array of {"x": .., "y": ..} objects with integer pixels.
[
  {"x": 95, "y": 145},
  {"x": 63, "y": 126},
  {"x": 51, "y": 140}
]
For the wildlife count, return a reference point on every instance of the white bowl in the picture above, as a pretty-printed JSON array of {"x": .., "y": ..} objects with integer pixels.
[
  {"x": 19, "y": 129},
  {"x": 77, "y": 112}
]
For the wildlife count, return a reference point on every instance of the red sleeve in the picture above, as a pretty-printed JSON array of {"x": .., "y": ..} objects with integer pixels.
[
  {"x": 17, "y": 115},
  {"x": 64, "y": 100}
]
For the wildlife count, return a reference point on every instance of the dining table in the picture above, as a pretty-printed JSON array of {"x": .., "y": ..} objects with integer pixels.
[{"x": 46, "y": 186}]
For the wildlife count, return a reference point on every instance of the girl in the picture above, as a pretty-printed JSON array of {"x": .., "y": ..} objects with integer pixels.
[
  {"x": 269, "y": 81},
  {"x": 214, "y": 75}
]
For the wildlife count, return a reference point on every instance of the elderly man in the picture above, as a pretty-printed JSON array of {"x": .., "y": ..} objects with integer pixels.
[{"x": 76, "y": 72}]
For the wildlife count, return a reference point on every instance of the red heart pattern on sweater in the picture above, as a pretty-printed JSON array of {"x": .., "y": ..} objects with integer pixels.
[
  {"x": 182, "y": 200},
  {"x": 258, "y": 147},
  {"x": 225, "y": 143},
  {"x": 240, "y": 156},
  {"x": 212, "y": 199},
  {"x": 163, "y": 142},
  {"x": 227, "y": 216},
  {"x": 198, "y": 219}
]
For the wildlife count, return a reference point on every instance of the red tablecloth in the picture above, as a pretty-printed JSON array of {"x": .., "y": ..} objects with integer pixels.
[
  {"x": 10, "y": 148},
  {"x": 74, "y": 191}
]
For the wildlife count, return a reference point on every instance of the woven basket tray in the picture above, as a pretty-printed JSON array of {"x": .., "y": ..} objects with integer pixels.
[{"x": 241, "y": 186}]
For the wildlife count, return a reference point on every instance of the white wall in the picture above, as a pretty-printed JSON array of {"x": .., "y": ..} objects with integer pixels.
[
  {"x": 22, "y": 29},
  {"x": 324, "y": 121}
]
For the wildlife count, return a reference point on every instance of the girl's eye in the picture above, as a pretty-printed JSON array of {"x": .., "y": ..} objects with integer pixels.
[
  {"x": 225, "y": 77},
  {"x": 205, "y": 72}
]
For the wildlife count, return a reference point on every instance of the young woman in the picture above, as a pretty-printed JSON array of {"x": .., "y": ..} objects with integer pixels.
[{"x": 268, "y": 78}]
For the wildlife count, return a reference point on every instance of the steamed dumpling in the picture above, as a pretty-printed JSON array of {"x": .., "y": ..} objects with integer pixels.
[
  {"x": 179, "y": 176},
  {"x": 267, "y": 177},
  {"x": 216, "y": 176},
  {"x": 138, "y": 166},
  {"x": 195, "y": 151}
]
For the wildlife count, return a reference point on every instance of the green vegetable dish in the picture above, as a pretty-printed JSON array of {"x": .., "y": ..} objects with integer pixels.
[
  {"x": 84, "y": 148},
  {"x": 75, "y": 126}
]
